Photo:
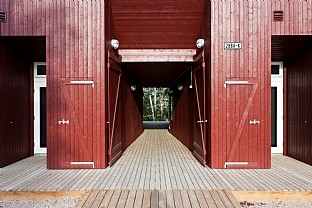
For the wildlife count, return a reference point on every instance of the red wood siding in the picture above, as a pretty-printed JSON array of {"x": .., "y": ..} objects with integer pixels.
[
  {"x": 15, "y": 106},
  {"x": 297, "y": 16},
  {"x": 132, "y": 111},
  {"x": 182, "y": 126},
  {"x": 299, "y": 99},
  {"x": 206, "y": 35},
  {"x": 146, "y": 24},
  {"x": 247, "y": 22},
  {"x": 114, "y": 104},
  {"x": 77, "y": 40},
  {"x": 74, "y": 51},
  {"x": 297, "y": 20}
]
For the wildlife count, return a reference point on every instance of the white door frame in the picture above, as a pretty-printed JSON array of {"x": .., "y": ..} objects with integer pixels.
[
  {"x": 39, "y": 81},
  {"x": 277, "y": 81}
]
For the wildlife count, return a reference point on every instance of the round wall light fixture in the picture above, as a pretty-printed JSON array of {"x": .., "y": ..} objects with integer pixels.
[
  {"x": 114, "y": 43},
  {"x": 133, "y": 87},
  {"x": 200, "y": 43},
  {"x": 180, "y": 87}
]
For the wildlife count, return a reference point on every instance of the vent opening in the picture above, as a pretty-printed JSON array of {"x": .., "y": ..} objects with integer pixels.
[
  {"x": 278, "y": 16},
  {"x": 2, "y": 17}
]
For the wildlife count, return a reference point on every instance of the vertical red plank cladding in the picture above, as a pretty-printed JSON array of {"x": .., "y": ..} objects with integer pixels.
[
  {"x": 94, "y": 58},
  {"x": 89, "y": 68},
  {"x": 255, "y": 57},
  {"x": 206, "y": 34},
  {"x": 223, "y": 75},
  {"x": 297, "y": 21},
  {"x": 132, "y": 108},
  {"x": 101, "y": 91},
  {"x": 252, "y": 61},
  {"x": 59, "y": 56},
  {"x": 267, "y": 81},
  {"x": 55, "y": 89},
  {"x": 182, "y": 125},
  {"x": 218, "y": 90},
  {"x": 66, "y": 16},
  {"x": 50, "y": 135},
  {"x": 296, "y": 18},
  {"x": 71, "y": 43}
]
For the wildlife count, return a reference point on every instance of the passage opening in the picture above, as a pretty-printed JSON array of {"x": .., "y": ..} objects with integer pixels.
[{"x": 156, "y": 108}]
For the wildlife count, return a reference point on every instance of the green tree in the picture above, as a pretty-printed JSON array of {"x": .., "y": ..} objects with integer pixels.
[{"x": 156, "y": 104}]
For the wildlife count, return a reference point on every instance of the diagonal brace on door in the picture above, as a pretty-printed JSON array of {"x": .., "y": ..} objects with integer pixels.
[
  {"x": 245, "y": 115},
  {"x": 114, "y": 116}
]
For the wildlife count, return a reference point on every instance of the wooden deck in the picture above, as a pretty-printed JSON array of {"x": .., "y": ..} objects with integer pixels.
[
  {"x": 157, "y": 198},
  {"x": 156, "y": 160}
]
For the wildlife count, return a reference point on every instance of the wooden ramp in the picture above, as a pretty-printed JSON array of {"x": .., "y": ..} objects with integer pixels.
[
  {"x": 157, "y": 160},
  {"x": 157, "y": 198}
]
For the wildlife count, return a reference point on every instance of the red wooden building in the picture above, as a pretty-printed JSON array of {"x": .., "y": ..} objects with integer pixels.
[{"x": 251, "y": 81}]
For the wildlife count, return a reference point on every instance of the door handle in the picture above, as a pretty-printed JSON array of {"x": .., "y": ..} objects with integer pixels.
[
  {"x": 254, "y": 122},
  {"x": 63, "y": 122},
  {"x": 205, "y": 121}
]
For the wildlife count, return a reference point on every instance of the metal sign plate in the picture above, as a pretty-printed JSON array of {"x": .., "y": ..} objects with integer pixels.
[{"x": 232, "y": 45}]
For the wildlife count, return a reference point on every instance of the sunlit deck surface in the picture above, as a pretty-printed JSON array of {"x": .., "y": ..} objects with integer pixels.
[{"x": 157, "y": 160}]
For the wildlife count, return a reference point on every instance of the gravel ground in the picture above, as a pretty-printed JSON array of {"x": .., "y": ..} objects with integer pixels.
[
  {"x": 69, "y": 203},
  {"x": 50, "y": 203},
  {"x": 279, "y": 204}
]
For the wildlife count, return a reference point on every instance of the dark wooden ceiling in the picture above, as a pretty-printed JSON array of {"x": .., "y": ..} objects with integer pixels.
[
  {"x": 155, "y": 74},
  {"x": 31, "y": 48},
  {"x": 285, "y": 47},
  {"x": 157, "y": 24}
]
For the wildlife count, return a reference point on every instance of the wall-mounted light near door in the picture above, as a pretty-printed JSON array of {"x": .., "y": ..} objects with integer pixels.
[
  {"x": 114, "y": 44},
  {"x": 180, "y": 87},
  {"x": 191, "y": 84},
  {"x": 133, "y": 87},
  {"x": 200, "y": 43}
]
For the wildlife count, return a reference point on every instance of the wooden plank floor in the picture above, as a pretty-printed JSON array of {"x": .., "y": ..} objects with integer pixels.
[
  {"x": 157, "y": 160},
  {"x": 158, "y": 198}
]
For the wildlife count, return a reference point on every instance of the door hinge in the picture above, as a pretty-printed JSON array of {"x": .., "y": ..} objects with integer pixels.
[{"x": 34, "y": 117}]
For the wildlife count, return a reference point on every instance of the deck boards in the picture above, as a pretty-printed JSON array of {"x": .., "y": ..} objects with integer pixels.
[
  {"x": 158, "y": 198},
  {"x": 157, "y": 160}
]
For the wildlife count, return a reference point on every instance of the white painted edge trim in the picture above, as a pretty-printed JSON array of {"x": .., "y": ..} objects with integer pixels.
[
  {"x": 235, "y": 83},
  {"x": 83, "y": 82},
  {"x": 234, "y": 163},
  {"x": 83, "y": 163}
]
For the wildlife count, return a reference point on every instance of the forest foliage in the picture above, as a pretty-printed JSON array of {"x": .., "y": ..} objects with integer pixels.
[{"x": 156, "y": 104}]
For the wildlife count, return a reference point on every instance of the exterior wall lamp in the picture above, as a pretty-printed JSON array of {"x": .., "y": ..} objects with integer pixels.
[
  {"x": 200, "y": 43},
  {"x": 115, "y": 44},
  {"x": 180, "y": 87},
  {"x": 133, "y": 88},
  {"x": 191, "y": 84}
]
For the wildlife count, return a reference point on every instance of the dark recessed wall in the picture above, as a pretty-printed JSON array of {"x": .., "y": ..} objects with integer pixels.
[
  {"x": 15, "y": 106},
  {"x": 132, "y": 109},
  {"x": 299, "y": 104},
  {"x": 182, "y": 125}
]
